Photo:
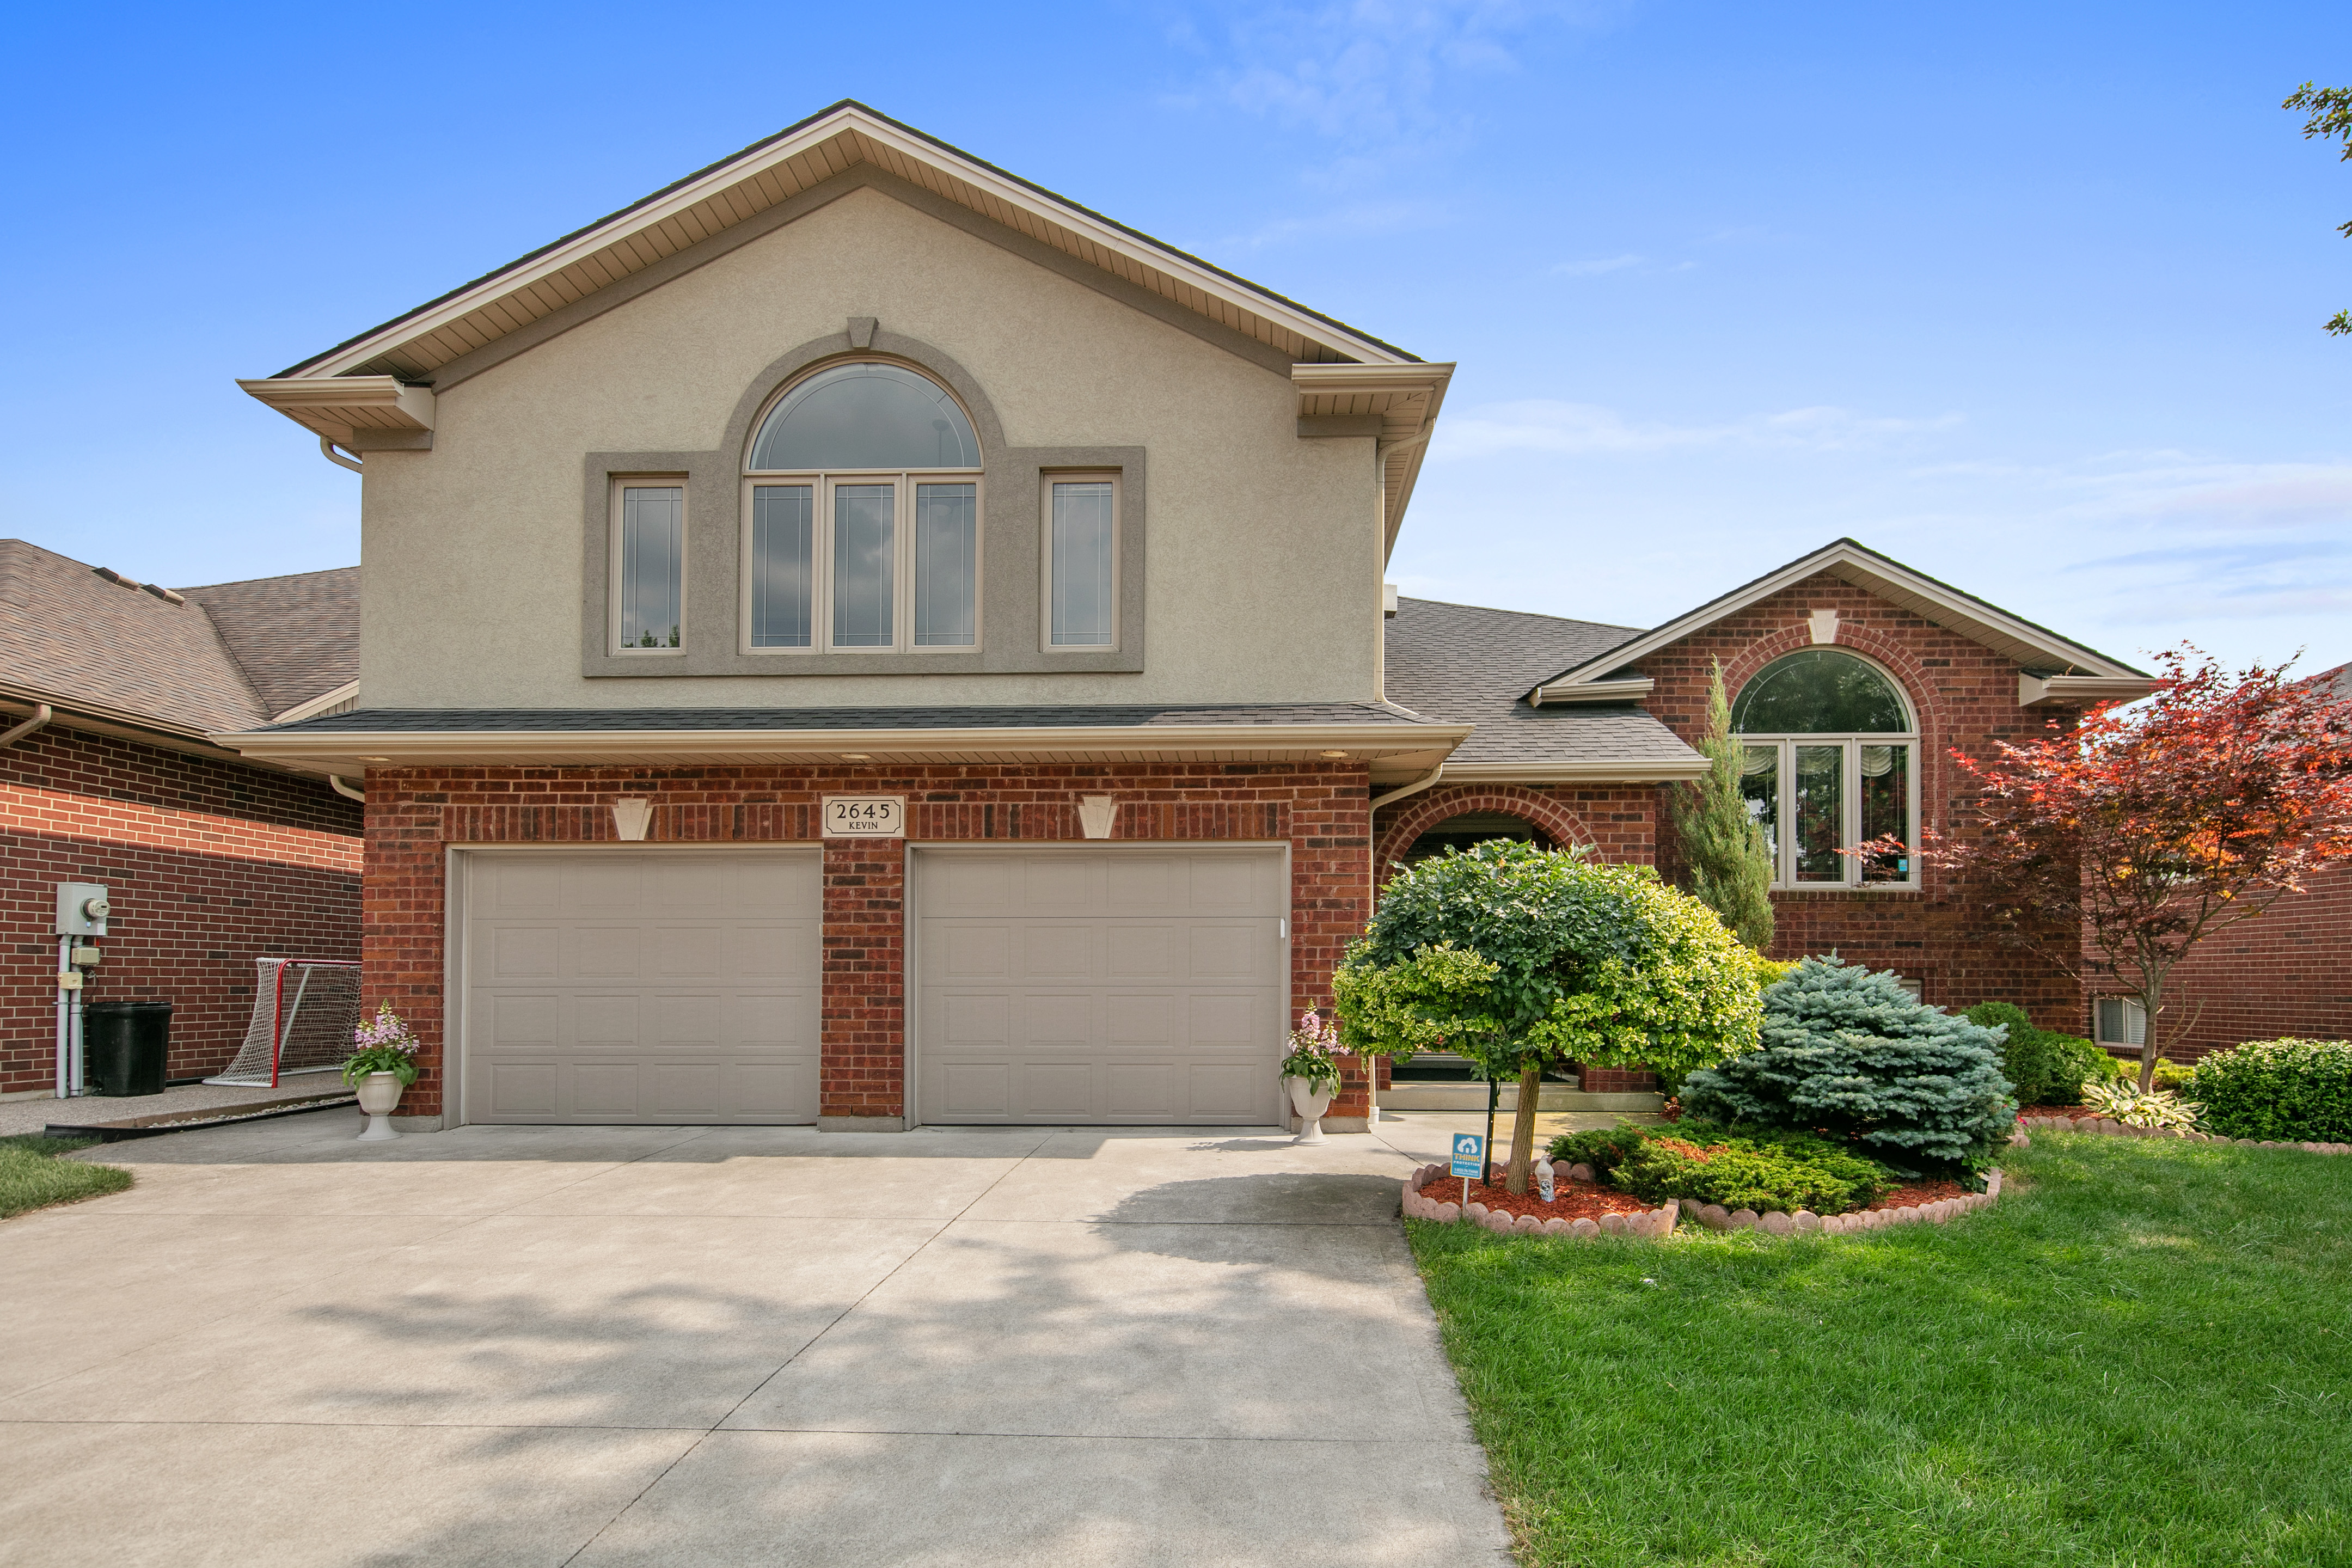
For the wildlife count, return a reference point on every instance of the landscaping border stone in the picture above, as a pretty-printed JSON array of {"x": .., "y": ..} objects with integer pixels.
[
  {"x": 1653, "y": 1223},
  {"x": 2107, "y": 1126}
]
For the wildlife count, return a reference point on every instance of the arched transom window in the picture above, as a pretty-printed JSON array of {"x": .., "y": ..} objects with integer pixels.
[
  {"x": 863, "y": 517},
  {"x": 1831, "y": 765}
]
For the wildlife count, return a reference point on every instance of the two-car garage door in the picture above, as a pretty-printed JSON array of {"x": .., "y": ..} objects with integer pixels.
[{"x": 1114, "y": 983}]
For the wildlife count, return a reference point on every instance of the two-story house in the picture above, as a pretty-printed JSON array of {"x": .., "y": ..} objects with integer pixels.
[{"x": 856, "y": 638}]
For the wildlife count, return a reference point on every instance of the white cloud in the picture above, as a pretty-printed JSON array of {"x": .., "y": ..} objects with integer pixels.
[{"x": 1595, "y": 269}]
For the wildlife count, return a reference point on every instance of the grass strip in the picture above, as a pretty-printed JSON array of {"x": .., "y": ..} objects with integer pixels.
[
  {"x": 33, "y": 1177},
  {"x": 2142, "y": 1355}
]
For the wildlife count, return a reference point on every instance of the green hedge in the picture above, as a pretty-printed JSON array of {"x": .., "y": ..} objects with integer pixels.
[
  {"x": 1744, "y": 1168},
  {"x": 2292, "y": 1090},
  {"x": 2048, "y": 1067}
]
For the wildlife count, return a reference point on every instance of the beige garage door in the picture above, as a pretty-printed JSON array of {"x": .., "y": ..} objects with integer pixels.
[
  {"x": 616, "y": 985},
  {"x": 1102, "y": 984}
]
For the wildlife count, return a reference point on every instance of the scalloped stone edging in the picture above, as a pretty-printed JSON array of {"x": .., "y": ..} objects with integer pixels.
[
  {"x": 2107, "y": 1126},
  {"x": 1654, "y": 1222},
  {"x": 1775, "y": 1222}
]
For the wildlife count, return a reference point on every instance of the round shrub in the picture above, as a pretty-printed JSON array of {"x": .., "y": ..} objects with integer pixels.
[
  {"x": 1736, "y": 1167},
  {"x": 2045, "y": 1067},
  {"x": 2292, "y": 1090},
  {"x": 1847, "y": 1053}
]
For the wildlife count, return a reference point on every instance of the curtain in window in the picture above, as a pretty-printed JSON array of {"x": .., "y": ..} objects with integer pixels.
[{"x": 1082, "y": 546}]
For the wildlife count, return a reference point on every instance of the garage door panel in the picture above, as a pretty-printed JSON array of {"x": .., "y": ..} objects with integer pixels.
[
  {"x": 686, "y": 990},
  {"x": 1118, "y": 983}
]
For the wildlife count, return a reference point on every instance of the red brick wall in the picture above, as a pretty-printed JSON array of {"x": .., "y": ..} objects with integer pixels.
[
  {"x": 2285, "y": 972},
  {"x": 1320, "y": 809},
  {"x": 210, "y": 864},
  {"x": 1966, "y": 696}
]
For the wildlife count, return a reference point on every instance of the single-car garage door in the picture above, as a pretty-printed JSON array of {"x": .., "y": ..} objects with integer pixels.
[
  {"x": 620, "y": 984},
  {"x": 1115, "y": 984}
]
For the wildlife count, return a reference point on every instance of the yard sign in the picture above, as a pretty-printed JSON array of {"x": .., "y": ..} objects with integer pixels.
[{"x": 1469, "y": 1160}]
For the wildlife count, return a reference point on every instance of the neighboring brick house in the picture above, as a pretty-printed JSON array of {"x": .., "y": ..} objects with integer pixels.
[
  {"x": 108, "y": 692},
  {"x": 1856, "y": 678},
  {"x": 2286, "y": 972}
]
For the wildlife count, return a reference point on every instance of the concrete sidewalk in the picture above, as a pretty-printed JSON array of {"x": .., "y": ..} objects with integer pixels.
[{"x": 734, "y": 1345}]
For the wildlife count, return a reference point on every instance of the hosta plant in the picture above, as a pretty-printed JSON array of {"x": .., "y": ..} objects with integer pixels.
[{"x": 2123, "y": 1100}]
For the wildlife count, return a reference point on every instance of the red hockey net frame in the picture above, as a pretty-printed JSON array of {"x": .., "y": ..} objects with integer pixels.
[{"x": 304, "y": 1010}]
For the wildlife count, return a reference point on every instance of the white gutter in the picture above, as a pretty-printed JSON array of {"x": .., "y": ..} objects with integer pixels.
[
  {"x": 1413, "y": 788},
  {"x": 346, "y": 791}
]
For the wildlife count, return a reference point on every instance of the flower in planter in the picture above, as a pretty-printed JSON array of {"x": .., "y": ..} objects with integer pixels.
[
  {"x": 1314, "y": 1050},
  {"x": 384, "y": 1044}
]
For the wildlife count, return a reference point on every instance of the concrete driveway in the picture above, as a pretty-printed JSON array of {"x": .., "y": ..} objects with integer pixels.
[{"x": 713, "y": 1346}]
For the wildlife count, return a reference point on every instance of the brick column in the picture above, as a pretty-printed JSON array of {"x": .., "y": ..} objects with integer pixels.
[{"x": 862, "y": 1020}]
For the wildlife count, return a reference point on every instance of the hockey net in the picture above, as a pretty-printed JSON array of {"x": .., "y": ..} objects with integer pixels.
[{"x": 304, "y": 1010}]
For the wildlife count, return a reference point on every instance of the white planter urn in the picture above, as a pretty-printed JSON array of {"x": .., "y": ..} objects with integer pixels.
[
  {"x": 1311, "y": 1100},
  {"x": 379, "y": 1092}
]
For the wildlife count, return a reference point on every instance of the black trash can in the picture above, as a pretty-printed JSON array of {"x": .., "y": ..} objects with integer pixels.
[{"x": 123, "y": 1045}]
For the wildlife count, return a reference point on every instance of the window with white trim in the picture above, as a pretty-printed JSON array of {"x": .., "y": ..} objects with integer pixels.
[
  {"x": 862, "y": 496},
  {"x": 1081, "y": 560},
  {"x": 2120, "y": 1021},
  {"x": 1831, "y": 765},
  {"x": 648, "y": 566}
]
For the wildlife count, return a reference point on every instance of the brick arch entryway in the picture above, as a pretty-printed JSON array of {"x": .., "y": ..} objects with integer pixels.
[{"x": 1553, "y": 818}]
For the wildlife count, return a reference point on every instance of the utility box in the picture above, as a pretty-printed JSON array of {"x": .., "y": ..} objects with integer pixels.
[{"x": 82, "y": 908}]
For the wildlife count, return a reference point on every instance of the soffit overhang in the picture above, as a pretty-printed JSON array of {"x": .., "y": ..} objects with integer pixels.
[
  {"x": 1394, "y": 752},
  {"x": 707, "y": 202},
  {"x": 2030, "y": 647},
  {"x": 1397, "y": 404}
]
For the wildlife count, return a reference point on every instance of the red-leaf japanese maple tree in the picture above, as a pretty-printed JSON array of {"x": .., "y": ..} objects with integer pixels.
[{"x": 2146, "y": 829}]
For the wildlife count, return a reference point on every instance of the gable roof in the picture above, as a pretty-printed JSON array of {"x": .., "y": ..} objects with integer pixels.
[
  {"x": 776, "y": 168},
  {"x": 2032, "y": 647},
  {"x": 226, "y": 657},
  {"x": 1470, "y": 664}
]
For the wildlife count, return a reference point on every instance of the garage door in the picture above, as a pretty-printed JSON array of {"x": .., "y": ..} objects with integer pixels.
[
  {"x": 1113, "y": 985},
  {"x": 616, "y": 985}
]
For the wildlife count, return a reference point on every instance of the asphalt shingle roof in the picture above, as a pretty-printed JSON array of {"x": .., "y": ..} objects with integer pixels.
[
  {"x": 1473, "y": 666},
  {"x": 426, "y": 720},
  {"x": 70, "y": 636}
]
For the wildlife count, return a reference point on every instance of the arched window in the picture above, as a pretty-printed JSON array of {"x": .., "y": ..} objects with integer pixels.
[
  {"x": 1472, "y": 828},
  {"x": 864, "y": 516},
  {"x": 1831, "y": 765}
]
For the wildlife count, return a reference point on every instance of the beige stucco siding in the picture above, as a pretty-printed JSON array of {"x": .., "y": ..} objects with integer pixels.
[{"x": 1262, "y": 556}]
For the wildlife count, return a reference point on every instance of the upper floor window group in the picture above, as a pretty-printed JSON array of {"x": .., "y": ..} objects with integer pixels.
[
  {"x": 862, "y": 502},
  {"x": 1829, "y": 749}
]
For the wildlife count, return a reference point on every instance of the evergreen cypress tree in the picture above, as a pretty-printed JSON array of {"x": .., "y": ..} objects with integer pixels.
[
  {"x": 1728, "y": 863},
  {"x": 1848, "y": 1053}
]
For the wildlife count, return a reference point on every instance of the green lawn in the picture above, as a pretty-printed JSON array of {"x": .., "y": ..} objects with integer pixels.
[
  {"x": 32, "y": 1176},
  {"x": 2141, "y": 1356}
]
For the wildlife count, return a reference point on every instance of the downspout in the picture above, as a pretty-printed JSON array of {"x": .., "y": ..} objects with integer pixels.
[
  {"x": 41, "y": 714},
  {"x": 346, "y": 791},
  {"x": 326, "y": 451},
  {"x": 1413, "y": 788}
]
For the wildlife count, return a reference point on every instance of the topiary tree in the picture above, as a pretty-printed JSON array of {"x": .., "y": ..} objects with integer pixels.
[
  {"x": 1518, "y": 957},
  {"x": 1723, "y": 847},
  {"x": 1848, "y": 1053}
]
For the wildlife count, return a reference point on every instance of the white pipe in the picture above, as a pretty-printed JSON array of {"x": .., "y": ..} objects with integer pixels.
[
  {"x": 79, "y": 1081},
  {"x": 327, "y": 449},
  {"x": 41, "y": 711},
  {"x": 346, "y": 791},
  {"x": 1413, "y": 788}
]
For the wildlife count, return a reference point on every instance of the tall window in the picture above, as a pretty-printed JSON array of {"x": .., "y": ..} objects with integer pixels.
[
  {"x": 649, "y": 562},
  {"x": 1082, "y": 563},
  {"x": 1830, "y": 766},
  {"x": 865, "y": 517}
]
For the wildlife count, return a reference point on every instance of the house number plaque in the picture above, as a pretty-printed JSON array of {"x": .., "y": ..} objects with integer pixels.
[{"x": 866, "y": 817}]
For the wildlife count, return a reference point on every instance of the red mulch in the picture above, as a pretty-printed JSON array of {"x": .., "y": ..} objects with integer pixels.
[
  {"x": 2072, "y": 1112},
  {"x": 1589, "y": 1200},
  {"x": 1570, "y": 1200}
]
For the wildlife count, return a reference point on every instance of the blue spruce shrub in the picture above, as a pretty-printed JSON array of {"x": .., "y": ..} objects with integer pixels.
[{"x": 1847, "y": 1053}]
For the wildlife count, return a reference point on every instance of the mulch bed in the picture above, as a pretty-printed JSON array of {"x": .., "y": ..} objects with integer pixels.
[
  {"x": 1589, "y": 1200},
  {"x": 2072, "y": 1112}
]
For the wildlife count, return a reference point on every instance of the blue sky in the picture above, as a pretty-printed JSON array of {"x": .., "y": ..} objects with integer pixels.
[{"x": 2027, "y": 296}]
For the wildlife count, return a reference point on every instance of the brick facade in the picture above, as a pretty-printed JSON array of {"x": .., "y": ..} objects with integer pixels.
[
  {"x": 1321, "y": 810},
  {"x": 1966, "y": 697},
  {"x": 210, "y": 864},
  {"x": 2287, "y": 971}
]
